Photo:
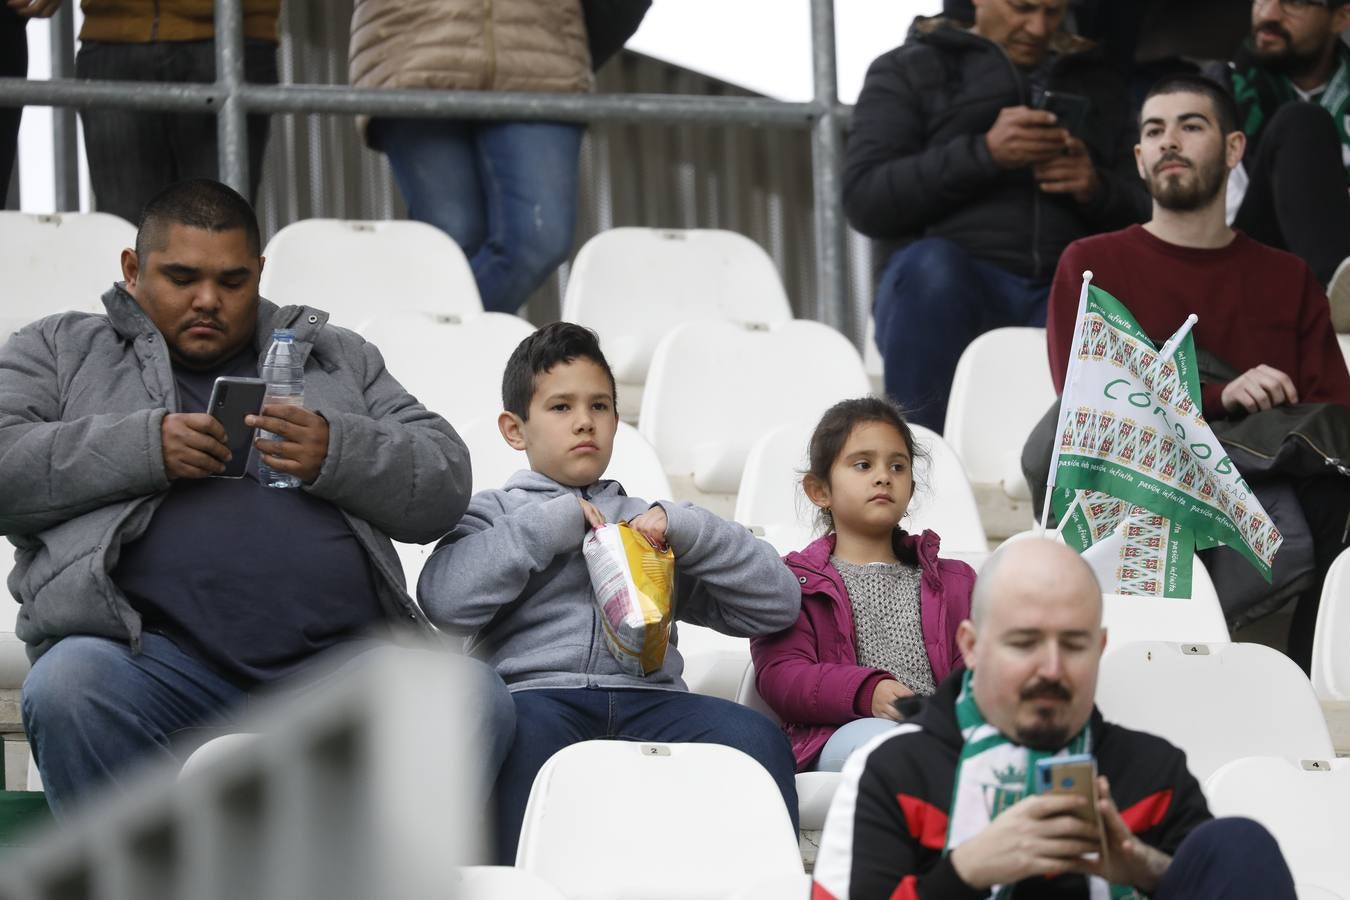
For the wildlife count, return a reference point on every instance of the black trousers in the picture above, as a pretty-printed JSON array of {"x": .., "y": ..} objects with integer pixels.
[
  {"x": 1296, "y": 199},
  {"x": 134, "y": 155},
  {"x": 13, "y": 64}
]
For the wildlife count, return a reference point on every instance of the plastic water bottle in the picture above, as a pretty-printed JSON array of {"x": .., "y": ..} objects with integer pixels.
[{"x": 285, "y": 376}]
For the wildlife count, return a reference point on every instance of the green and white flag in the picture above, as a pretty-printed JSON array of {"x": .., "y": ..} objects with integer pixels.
[{"x": 1137, "y": 474}]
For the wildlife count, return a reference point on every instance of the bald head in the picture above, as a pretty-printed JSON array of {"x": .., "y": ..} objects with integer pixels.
[
  {"x": 1034, "y": 641},
  {"x": 1033, "y": 566}
]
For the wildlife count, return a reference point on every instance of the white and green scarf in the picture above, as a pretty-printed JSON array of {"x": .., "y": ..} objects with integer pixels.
[
  {"x": 992, "y": 774},
  {"x": 1260, "y": 92}
]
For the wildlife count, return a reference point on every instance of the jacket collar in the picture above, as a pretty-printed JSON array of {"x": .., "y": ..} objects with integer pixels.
[
  {"x": 537, "y": 483},
  {"x": 130, "y": 321},
  {"x": 815, "y": 556},
  {"x": 946, "y": 32}
]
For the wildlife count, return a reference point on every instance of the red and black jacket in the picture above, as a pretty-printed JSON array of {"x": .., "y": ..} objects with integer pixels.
[{"x": 887, "y": 825}]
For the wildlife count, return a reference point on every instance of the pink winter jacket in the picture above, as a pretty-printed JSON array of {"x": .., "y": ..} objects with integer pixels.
[{"x": 809, "y": 673}]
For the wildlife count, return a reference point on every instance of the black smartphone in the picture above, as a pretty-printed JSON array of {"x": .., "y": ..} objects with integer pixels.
[
  {"x": 231, "y": 400},
  {"x": 1070, "y": 109}
]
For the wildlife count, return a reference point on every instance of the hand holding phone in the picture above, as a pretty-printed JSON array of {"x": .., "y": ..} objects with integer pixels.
[
  {"x": 1071, "y": 110},
  {"x": 1073, "y": 775},
  {"x": 1022, "y": 137},
  {"x": 231, "y": 400}
]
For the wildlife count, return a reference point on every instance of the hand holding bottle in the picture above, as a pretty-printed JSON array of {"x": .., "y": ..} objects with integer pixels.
[{"x": 302, "y": 443}]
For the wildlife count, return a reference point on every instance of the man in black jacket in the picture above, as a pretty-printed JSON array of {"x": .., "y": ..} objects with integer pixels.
[
  {"x": 949, "y": 155},
  {"x": 1291, "y": 81},
  {"x": 943, "y": 806}
]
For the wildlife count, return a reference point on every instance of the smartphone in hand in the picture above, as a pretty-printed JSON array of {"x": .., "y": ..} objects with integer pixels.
[
  {"x": 1075, "y": 774},
  {"x": 231, "y": 399},
  {"x": 1071, "y": 110}
]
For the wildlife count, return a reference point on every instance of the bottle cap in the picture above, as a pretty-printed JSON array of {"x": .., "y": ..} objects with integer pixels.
[{"x": 283, "y": 334}]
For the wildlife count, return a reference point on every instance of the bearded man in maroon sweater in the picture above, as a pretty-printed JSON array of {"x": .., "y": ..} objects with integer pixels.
[{"x": 1264, "y": 331}]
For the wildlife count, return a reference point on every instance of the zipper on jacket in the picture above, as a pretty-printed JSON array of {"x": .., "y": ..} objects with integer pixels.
[
  {"x": 1025, "y": 100},
  {"x": 490, "y": 45},
  {"x": 1341, "y": 466}
]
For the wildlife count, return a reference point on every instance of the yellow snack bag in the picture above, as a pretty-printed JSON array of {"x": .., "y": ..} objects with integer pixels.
[{"x": 632, "y": 583}]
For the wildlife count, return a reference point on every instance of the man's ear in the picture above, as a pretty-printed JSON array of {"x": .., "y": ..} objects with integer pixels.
[
  {"x": 131, "y": 268},
  {"x": 1139, "y": 162},
  {"x": 1340, "y": 19},
  {"x": 965, "y": 642},
  {"x": 815, "y": 491},
  {"x": 1235, "y": 145},
  {"x": 512, "y": 429}
]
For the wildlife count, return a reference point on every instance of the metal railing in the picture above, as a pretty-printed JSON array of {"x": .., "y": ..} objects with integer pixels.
[{"x": 231, "y": 99}]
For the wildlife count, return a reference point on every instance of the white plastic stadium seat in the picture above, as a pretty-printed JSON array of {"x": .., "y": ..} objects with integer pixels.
[
  {"x": 785, "y": 887},
  {"x": 771, "y": 495},
  {"x": 715, "y": 387},
  {"x": 13, "y": 657},
  {"x": 59, "y": 262},
  {"x": 604, "y": 817},
  {"x": 357, "y": 270},
  {"x": 633, "y": 285},
  {"x": 1176, "y": 619},
  {"x": 1331, "y": 640},
  {"x": 452, "y": 364},
  {"x": 713, "y": 662},
  {"x": 1198, "y": 618},
  {"x": 815, "y": 790},
  {"x": 1217, "y": 702},
  {"x": 501, "y": 883},
  {"x": 1305, "y": 804},
  {"x": 872, "y": 360},
  {"x": 1000, "y": 390}
]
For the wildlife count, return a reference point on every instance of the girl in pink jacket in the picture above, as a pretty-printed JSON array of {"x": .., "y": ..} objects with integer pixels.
[{"x": 879, "y": 608}]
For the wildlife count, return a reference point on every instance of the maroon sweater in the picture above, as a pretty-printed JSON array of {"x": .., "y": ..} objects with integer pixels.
[{"x": 1255, "y": 305}]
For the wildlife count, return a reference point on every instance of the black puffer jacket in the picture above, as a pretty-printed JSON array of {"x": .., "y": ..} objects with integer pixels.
[{"x": 917, "y": 164}]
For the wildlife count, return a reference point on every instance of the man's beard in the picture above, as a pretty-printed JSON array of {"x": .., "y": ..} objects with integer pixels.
[
  {"x": 1181, "y": 194},
  {"x": 1046, "y": 736},
  {"x": 1287, "y": 62}
]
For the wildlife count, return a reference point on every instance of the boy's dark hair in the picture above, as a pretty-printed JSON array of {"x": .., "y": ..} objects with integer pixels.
[
  {"x": 832, "y": 432},
  {"x": 560, "y": 342},
  {"x": 197, "y": 203},
  {"x": 1225, "y": 107}
]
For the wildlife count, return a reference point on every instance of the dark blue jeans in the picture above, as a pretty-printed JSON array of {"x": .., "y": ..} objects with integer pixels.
[
  {"x": 549, "y": 720},
  {"x": 505, "y": 191},
  {"x": 933, "y": 300},
  {"x": 95, "y": 712},
  {"x": 1233, "y": 858}
]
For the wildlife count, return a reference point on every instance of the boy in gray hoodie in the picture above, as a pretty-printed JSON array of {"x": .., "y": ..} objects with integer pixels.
[{"x": 511, "y": 575}]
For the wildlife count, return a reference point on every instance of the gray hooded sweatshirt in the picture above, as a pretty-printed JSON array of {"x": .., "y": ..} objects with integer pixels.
[
  {"x": 511, "y": 576},
  {"x": 82, "y": 398}
]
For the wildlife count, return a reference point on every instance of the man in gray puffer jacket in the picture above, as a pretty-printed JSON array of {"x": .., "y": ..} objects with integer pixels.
[{"x": 155, "y": 598}]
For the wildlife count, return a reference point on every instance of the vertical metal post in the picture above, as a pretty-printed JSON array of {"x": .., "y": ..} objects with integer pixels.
[
  {"x": 832, "y": 304},
  {"x": 231, "y": 118},
  {"x": 65, "y": 136}
]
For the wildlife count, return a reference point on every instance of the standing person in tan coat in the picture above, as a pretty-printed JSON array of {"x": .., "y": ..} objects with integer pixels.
[
  {"x": 505, "y": 191},
  {"x": 134, "y": 155}
]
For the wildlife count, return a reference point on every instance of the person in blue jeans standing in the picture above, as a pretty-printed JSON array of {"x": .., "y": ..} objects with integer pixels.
[
  {"x": 505, "y": 191},
  {"x": 981, "y": 153}
]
